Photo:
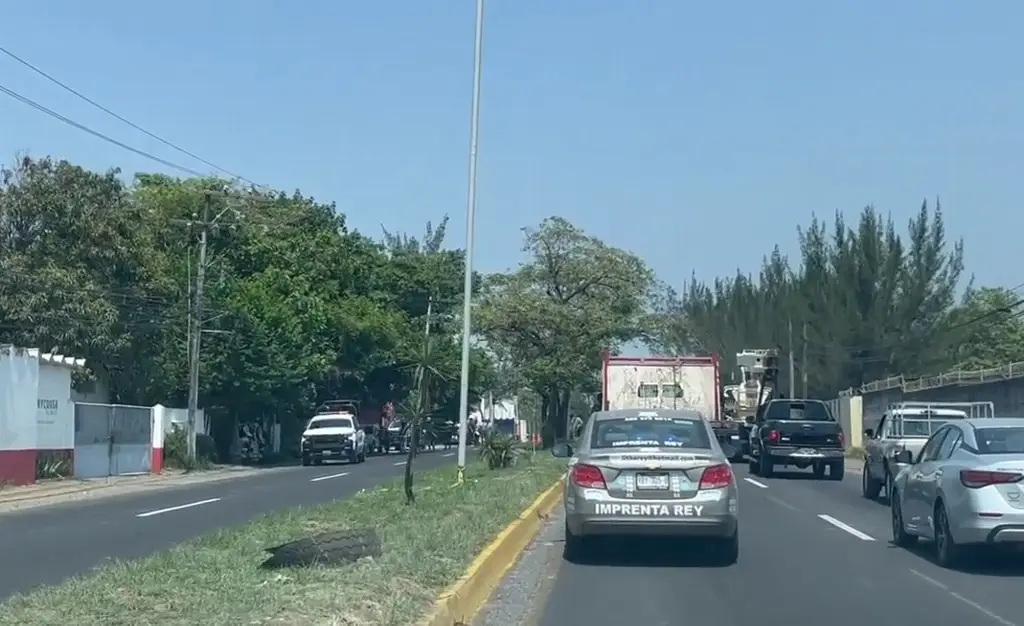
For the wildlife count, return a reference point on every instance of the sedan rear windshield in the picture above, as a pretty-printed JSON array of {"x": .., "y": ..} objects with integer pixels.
[
  {"x": 798, "y": 411},
  {"x": 659, "y": 432},
  {"x": 341, "y": 422},
  {"x": 1008, "y": 440}
]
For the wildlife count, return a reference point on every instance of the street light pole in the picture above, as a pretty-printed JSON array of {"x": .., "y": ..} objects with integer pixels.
[{"x": 467, "y": 286}]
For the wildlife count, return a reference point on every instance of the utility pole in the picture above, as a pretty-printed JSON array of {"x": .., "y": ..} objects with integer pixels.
[
  {"x": 803, "y": 357},
  {"x": 792, "y": 365},
  {"x": 467, "y": 283},
  {"x": 197, "y": 328}
]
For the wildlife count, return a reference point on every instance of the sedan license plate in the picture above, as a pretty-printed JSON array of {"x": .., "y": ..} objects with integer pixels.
[{"x": 652, "y": 482}]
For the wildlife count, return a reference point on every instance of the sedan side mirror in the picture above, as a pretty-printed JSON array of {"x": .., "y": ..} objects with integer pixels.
[
  {"x": 904, "y": 457},
  {"x": 869, "y": 433},
  {"x": 561, "y": 451}
]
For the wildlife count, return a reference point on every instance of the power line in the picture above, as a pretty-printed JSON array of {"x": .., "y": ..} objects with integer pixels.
[
  {"x": 95, "y": 133},
  {"x": 118, "y": 117}
]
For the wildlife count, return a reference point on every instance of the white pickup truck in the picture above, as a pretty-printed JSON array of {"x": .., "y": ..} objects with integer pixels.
[{"x": 907, "y": 426}]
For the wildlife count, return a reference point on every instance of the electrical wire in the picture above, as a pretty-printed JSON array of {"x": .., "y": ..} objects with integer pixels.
[
  {"x": 118, "y": 117},
  {"x": 95, "y": 133}
]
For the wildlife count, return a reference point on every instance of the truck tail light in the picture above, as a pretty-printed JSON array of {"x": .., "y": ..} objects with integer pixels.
[
  {"x": 842, "y": 440},
  {"x": 773, "y": 436}
]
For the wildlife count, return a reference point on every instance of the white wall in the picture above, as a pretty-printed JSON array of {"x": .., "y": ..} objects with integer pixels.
[
  {"x": 55, "y": 413},
  {"x": 179, "y": 418},
  {"x": 19, "y": 379}
]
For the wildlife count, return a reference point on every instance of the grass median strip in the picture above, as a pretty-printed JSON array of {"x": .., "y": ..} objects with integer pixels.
[{"x": 216, "y": 580}]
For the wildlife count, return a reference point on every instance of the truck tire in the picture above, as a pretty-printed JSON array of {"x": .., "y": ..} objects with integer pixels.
[
  {"x": 836, "y": 470},
  {"x": 334, "y": 548},
  {"x": 765, "y": 466},
  {"x": 869, "y": 487}
]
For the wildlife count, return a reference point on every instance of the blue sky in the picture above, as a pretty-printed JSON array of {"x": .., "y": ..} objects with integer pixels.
[{"x": 697, "y": 135}]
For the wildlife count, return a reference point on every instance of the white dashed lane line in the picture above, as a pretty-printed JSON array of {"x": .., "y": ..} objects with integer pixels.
[
  {"x": 755, "y": 483},
  {"x": 399, "y": 463},
  {"x": 178, "y": 508},
  {"x": 448, "y": 454},
  {"x": 328, "y": 477},
  {"x": 843, "y": 526}
]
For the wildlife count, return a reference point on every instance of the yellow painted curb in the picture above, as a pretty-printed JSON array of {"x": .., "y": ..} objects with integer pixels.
[{"x": 460, "y": 602}]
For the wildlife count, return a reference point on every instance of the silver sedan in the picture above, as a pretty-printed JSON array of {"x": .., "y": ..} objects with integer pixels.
[
  {"x": 963, "y": 490},
  {"x": 647, "y": 472}
]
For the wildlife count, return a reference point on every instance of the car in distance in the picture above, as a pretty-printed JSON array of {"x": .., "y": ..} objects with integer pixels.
[
  {"x": 964, "y": 490},
  {"x": 332, "y": 437},
  {"x": 797, "y": 432},
  {"x": 649, "y": 472}
]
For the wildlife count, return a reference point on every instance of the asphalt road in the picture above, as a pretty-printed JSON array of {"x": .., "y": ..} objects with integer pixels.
[
  {"x": 811, "y": 552},
  {"x": 49, "y": 544}
]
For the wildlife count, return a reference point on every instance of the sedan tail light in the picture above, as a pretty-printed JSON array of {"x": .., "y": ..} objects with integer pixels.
[
  {"x": 588, "y": 476},
  {"x": 976, "y": 479},
  {"x": 716, "y": 477}
]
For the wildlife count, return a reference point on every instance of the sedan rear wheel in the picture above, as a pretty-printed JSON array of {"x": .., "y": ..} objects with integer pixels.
[
  {"x": 727, "y": 551},
  {"x": 575, "y": 549}
]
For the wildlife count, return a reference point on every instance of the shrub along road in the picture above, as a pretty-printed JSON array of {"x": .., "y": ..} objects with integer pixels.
[
  {"x": 216, "y": 580},
  {"x": 53, "y": 543}
]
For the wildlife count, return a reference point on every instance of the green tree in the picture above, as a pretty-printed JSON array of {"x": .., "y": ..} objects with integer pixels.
[
  {"x": 557, "y": 313},
  {"x": 863, "y": 303},
  {"x": 988, "y": 329}
]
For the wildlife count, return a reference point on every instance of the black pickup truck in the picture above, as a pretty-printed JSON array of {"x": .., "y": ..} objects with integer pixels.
[{"x": 799, "y": 433}]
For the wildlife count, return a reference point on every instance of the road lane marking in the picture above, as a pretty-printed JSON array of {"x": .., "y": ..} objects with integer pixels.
[
  {"x": 449, "y": 454},
  {"x": 981, "y": 609},
  {"x": 755, "y": 483},
  {"x": 843, "y": 526},
  {"x": 328, "y": 477},
  {"x": 178, "y": 508},
  {"x": 399, "y": 463},
  {"x": 971, "y": 603},
  {"x": 928, "y": 579},
  {"x": 783, "y": 503}
]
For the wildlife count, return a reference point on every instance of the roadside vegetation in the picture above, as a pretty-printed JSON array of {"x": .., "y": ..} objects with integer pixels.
[
  {"x": 860, "y": 302},
  {"x": 217, "y": 580}
]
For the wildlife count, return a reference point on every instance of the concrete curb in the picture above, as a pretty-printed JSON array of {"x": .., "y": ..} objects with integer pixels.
[{"x": 457, "y": 605}]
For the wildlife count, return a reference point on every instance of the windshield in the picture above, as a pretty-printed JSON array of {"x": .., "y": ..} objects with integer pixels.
[
  {"x": 1000, "y": 440},
  {"x": 924, "y": 426},
  {"x": 339, "y": 422},
  {"x": 650, "y": 432},
  {"x": 798, "y": 411}
]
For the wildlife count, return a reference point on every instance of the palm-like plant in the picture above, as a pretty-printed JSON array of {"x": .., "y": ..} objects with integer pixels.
[{"x": 419, "y": 405}]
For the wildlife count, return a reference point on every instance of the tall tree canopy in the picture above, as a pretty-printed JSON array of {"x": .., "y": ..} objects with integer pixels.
[
  {"x": 298, "y": 308},
  {"x": 555, "y": 315},
  {"x": 862, "y": 302}
]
